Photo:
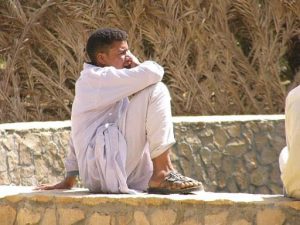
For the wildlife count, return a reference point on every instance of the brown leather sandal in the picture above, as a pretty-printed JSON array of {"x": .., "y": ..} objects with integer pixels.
[{"x": 167, "y": 185}]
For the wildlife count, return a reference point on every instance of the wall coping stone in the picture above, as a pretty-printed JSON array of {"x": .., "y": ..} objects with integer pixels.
[
  {"x": 178, "y": 119},
  {"x": 18, "y": 193},
  {"x": 23, "y": 205}
]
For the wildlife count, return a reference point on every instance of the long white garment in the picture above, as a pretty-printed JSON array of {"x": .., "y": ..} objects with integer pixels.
[
  {"x": 290, "y": 156},
  {"x": 98, "y": 149}
]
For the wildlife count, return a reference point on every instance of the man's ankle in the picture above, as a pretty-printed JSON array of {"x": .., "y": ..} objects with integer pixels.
[{"x": 162, "y": 162}]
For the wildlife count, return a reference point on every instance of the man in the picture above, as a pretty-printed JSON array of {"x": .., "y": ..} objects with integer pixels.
[
  {"x": 119, "y": 144},
  {"x": 290, "y": 155}
]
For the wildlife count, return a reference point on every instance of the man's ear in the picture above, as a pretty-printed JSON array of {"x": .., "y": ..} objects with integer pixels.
[{"x": 101, "y": 58}]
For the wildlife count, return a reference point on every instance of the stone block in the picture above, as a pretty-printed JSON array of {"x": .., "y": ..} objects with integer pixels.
[
  {"x": 27, "y": 171},
  {"x": 241, "y": 222},
  {"x": 70, "y": 216},
  {"x": 4, "y": 178},
  {"x": 248, "y": 135},
  {"x": 99, "y": 219},
  {"x": 191, "y": 222},
  {"x": 42, "y": 172},
  {"x": 216, "y": 158},
  {"x": 163, "y": 217},
  {"x": 3, "y": 164},
  {"x": 231, "y": 185},
  {"x": 26, "y": 157},
  {"x": 28, "y": 216},
  {"x": 15, "y": 177},
  {"x": 212, "y": 174},
  {"x": 12, "y": 160},
  {"x": 242, "y": 181},
  {"x": 235, "y": 147},
  {"x": 11, "y": 142},
  {"x": 263, "y": 190},
  {"x": 221, "y": 177},
  {"x": 49, "y": 217},
  {"x": 140, "y": 218},
  {"x": 207, "y": 140},
  {"x": 228, "y": 166},
  {"x": 7, "y": 215},
  {"x": 268, "y": 156},
  {"x": 250, "y": 160},
  {"x": 234, "y": 130},
  {"x": 276, "y": 189},
  {"x": 193, "y": 139},
  {"x": 266, "y": 125},
  {"x": 262, "y": 141},
  {"x": 206, "y": 132},
  {"x": 185, "y": 149},
  {"x": 275, "y": 175},
  {"x": 124, "y": 219},
  {"x": 216, "y": 219},
  {"x": 270, "y": 216},
  {"x": 220, "y": 137},
  {"x": 31, "y": 140},
  {"x": 259, "y": 176},
  {"x": 252, "y": 126},
  {"x": 186, "y": 166},
  {"x": 206, "y": 155}
]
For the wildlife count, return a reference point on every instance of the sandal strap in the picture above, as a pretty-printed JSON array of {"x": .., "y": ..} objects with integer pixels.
[{"x": 177, "y": 177}]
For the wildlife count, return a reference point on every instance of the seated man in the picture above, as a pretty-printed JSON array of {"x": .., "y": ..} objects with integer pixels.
[
  {"x": 121, "y": 124},
  {"x": 290, "y": 155}
]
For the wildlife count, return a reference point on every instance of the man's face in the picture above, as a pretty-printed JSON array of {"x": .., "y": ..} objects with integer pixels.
[{"x": 116, "y": 56}]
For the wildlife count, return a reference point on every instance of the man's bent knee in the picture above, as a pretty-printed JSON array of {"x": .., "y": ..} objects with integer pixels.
[{"x": 159, "y": 89}]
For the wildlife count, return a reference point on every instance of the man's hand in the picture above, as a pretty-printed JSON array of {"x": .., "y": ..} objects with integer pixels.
[
  {"x": 130, "y": 60},
  {"x": 67, "y": 183}
]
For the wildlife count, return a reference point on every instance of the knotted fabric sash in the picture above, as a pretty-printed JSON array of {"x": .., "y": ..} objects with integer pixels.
[{"x": 106, "y": 160}]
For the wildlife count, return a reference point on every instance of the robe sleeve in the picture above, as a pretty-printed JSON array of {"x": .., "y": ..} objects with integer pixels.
[
  {"x": 104, "y": 86},
  {"x": 71, "y": 161}
]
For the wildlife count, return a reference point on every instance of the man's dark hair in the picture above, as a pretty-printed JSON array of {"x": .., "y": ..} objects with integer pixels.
[{"x": 101, "y": 40}]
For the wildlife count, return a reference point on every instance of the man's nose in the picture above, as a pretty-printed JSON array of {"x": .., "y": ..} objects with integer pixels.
[{"x": 128, "y": 53}]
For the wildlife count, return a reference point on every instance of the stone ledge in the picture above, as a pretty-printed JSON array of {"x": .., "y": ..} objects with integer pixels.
[
  {"x": 22, "y": 205},
  {"x": 178, "y": 119}
]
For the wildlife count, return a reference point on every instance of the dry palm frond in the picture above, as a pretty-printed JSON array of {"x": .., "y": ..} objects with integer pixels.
[{"x": 220, "y": 57}]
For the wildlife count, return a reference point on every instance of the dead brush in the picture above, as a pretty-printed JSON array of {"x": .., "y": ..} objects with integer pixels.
[{"x": 220, "y": 57}]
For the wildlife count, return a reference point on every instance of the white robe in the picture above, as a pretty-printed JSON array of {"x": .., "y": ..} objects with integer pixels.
[
  {"x": 290, "y": 155},
  {"x": 97, "y": 147}
]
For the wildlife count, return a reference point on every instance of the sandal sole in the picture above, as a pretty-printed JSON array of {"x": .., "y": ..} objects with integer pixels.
[{"x": 166, "y": 191}]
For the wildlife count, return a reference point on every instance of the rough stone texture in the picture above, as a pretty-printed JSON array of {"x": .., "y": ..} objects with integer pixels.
[
  {"x": 234, "y": 155},
  {"x": 228, "y": 154},
  {"x": 140, "y": 218},
  {"x": 216, "y": 219},
  {"x": 78, "y": 206},
  {"x": 28, "y": 216},
  {"x": 270, "y": 216},
  {"x": 49, "y": 217},
  {"x": 98, "y": 219},
  {"x": 241, "y": 222},
  {"x": 163, "y": 217},
  {"x": 69, "y": 216},
  {"x": 7, "y": 215},
  {"x": 191, "y": 222}
]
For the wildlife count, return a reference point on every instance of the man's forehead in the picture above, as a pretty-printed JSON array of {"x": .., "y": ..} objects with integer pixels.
[{"x": 119, "y": 45}]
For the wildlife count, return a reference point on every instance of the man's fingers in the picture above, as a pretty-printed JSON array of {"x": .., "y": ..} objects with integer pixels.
[
  {"x": 44, "y": 187},
  {"x": 133, "y": 58}
]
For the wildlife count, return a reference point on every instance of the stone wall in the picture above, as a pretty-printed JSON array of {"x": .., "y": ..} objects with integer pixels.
[
  {"x": 228, "y": 153},
  {"x": 22, "y": 206}
]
